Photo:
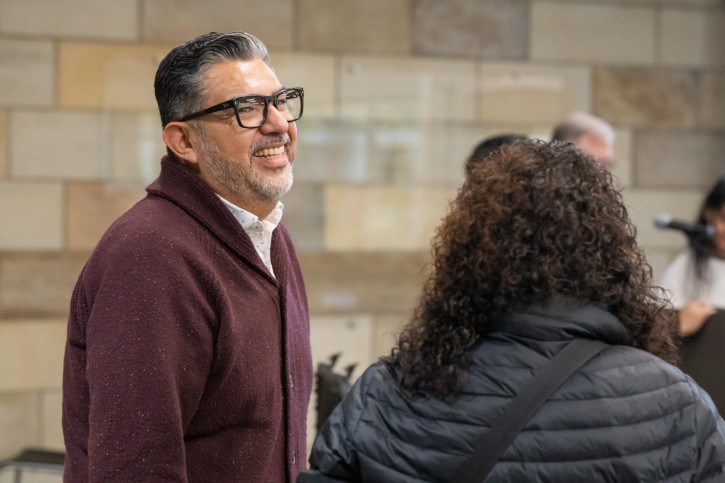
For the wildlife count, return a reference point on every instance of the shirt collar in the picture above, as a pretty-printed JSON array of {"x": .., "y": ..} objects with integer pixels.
[{"x": 248, "y": 220}]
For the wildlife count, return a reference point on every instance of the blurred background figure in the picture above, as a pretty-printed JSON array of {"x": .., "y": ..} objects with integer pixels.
[
  {"x": 591, "y": 134},
  {"x": 695, "y": 281},
  {"x": 696, "y": 277},
  {"x": 487, "y": 146}
]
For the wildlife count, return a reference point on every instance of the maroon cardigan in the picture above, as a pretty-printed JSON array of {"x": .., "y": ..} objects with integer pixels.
[{"x": 186, "y": 360}]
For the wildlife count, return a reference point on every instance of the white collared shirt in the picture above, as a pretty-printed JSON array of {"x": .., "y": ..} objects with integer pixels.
[{"x": 259, "y": 231}]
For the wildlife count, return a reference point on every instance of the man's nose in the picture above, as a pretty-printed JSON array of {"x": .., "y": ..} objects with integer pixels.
[{"x": 276, "y": 121}]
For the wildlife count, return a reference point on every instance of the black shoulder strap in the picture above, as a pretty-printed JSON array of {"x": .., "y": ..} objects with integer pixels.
[{"x": 548, "y": 378}]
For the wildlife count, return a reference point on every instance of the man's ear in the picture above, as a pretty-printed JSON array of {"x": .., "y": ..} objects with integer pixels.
[{"x": 181, "y": 140}]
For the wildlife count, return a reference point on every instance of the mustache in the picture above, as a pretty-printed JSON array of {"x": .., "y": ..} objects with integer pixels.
[{"x": 268, "y": 141}]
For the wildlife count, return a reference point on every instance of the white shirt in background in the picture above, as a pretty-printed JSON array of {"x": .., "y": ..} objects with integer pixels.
[{"x": 683, "y": 287}]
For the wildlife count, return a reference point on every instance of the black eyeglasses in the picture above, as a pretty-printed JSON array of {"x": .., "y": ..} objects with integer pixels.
[{"x": 251, "y": 111}]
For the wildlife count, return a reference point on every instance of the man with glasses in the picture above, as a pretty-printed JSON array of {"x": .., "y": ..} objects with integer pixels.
[{"x": 188, "y": 353}]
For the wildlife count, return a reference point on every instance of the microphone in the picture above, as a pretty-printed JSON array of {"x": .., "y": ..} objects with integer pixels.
[{"x": 665, "y": 221}]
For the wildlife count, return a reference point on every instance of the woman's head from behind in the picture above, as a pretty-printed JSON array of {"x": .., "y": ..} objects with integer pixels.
[{"x": 536, "y": 220}]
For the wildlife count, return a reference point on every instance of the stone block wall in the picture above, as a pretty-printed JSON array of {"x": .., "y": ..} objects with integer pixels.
[{"x": 398, "y": 92}]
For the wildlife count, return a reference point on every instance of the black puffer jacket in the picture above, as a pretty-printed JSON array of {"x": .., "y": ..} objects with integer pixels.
[{"x": 625, "y": 416}]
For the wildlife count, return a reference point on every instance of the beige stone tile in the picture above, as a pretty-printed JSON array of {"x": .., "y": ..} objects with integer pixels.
[
  {"x": 92, "y": 207},
  {"x": 382, "y": 218},
  {"x": 387, "y": 330},
  {"x": 645, "y": 204},
  {"x": 39, "y": 224},
  {"x": 472, "y": 29},
  {"x": 525, "y": 93},
  {"x": 26, "y": 72},
  {"x": 372, "y": 26},
  {"x": 3, "y": 144},
  {"x": 623, "y": 166},
  {"x": 592, "y": 33},
  {"x": 72, "y": 144},
  {"x": 38, "y": 284},
  {"x": 534, "y": 130},
  {"x": 136, "y": 147},
  {"x": 680, "y": 3},
  {"x": 304, "y": 215},
  {"x": 351, "y": 336},
  {"x": 639, "y": 96},
  {"x": 52, "y": 430},
  {"x": 407, "y": 89},
  {"x": 356, "y": 282},
  {"x": 316, "y": 73},
  {"x": 18, "y": 420},
  {"x": 32, "y": 353},
  {"x": 73, "y": 18},
  {"x": 678, "y": 159},
  {"x": 691, "y": 37},
  {"x": 108, "y": 75},
  {"x": 51, "y": 474},
  {"x": 181, "y": 20},
  {"x": 712, "y": 103}
]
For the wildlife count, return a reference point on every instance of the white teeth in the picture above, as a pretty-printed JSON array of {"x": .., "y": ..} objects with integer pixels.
[{"x": 270, "y": 151}]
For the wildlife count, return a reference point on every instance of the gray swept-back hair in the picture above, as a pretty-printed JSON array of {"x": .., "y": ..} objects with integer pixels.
[
  {"x": 178, "y": 87},
  {"x": 576, "y": 124}
]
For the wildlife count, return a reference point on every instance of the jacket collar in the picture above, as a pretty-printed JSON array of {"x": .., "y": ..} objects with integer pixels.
[
  {"x": 186, "y": 189},
  {"x": 563, "y": 318}
]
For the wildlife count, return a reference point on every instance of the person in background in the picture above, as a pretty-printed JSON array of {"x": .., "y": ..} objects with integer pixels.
[
  {"x": 695, "y": 279},
  {"x": 591, "y": 134},
  {"x": 188, "y": 353},
  {"x": 487, "y": 146},
  {"x": 536, "y": 251}
]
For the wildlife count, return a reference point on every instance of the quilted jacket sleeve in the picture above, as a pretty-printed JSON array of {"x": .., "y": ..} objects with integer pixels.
[{"x": 710, "y": 429}]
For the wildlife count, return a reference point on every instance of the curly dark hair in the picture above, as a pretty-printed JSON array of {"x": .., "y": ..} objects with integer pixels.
[
  {"x": 701, "y": 246},
  {"x": 534, "y": 221}
]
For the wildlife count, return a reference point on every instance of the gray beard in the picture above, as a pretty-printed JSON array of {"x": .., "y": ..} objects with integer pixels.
[{"x": 234, "y": 178}]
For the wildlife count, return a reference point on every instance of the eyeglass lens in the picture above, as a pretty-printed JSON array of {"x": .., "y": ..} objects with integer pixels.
[{"x": 252, "y": 110}]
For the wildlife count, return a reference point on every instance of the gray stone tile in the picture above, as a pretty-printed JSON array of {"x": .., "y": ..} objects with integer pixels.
[
  {"x": 73, "y": 144},
  {"x": 304, "y": 215},
  {"x": 692, "y": 37},
  {"x": 179, "y": 20},
  {"x": 26, "y": 72},
  {"x": 409, "y": 154},
  {"x": 522, "y": 92},
  {"x": 407, "y": 89},
  {"x": 712, "y": 104},
  {"x": 110, "y": 19},
  {"x": 372, "y": 26},
  {"x": 355, "y": 282},
  {"x": 678, "y": 159},
  {"x": 491, "y": 30},
  {"x": 592, "y": 32}
]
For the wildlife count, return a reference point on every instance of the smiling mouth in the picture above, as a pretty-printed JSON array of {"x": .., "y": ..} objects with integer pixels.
[{"x": 268, "y": 152}]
